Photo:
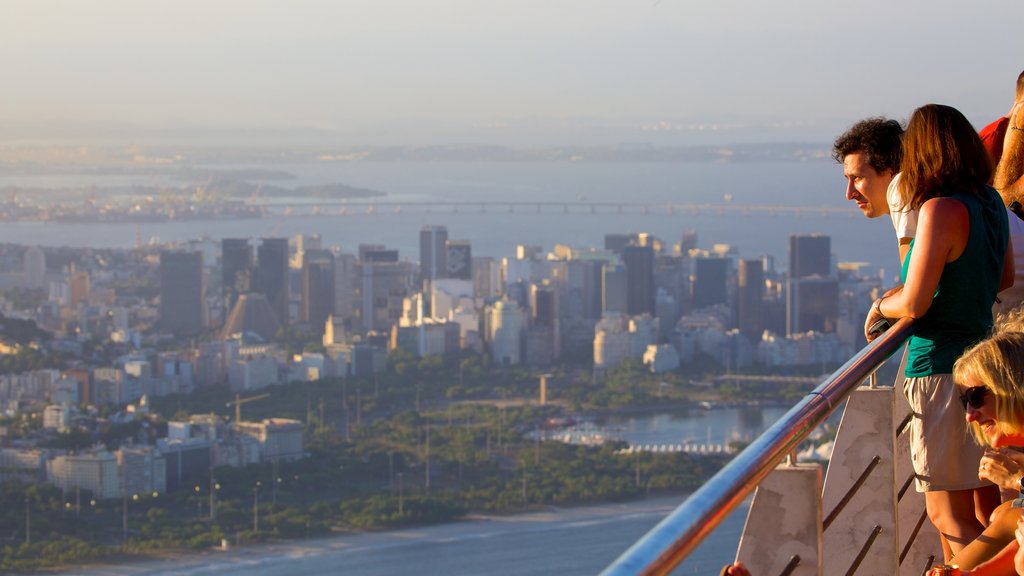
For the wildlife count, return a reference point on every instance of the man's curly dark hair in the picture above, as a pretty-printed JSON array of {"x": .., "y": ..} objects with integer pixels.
[{"x": 879, "y": 139}]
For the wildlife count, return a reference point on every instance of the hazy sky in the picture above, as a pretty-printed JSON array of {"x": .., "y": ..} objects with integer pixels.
[{"x": 516, "y": 71}]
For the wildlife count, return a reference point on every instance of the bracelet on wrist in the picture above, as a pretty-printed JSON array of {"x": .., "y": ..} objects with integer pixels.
[{"x": 878, "y": 306}]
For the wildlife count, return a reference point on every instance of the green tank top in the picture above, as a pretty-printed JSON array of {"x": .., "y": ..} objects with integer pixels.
[{"x": 961, "y": 312}]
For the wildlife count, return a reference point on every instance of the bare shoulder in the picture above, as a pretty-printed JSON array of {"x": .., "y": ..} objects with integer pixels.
[{"x": 944, "y": 209}]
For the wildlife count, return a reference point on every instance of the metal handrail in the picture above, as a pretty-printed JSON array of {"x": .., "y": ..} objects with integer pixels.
[{"x": 675, "y": 537}]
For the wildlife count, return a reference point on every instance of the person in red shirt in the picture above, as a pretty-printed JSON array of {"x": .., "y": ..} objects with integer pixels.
[{"x": 992, "y": 136}]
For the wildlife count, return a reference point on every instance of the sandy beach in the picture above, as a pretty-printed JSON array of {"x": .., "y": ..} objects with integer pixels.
[{"x": 476, "y": 532}]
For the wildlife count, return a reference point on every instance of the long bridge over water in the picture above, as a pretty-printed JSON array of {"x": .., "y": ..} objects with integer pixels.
[{"x": 352, "y": 208}]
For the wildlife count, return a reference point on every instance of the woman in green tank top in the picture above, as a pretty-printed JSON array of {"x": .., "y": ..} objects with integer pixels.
[{"x": 957, "y": 262}]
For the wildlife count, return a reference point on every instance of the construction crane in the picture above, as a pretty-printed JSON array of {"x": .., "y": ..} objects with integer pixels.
[{"x": 238, "y": 404}]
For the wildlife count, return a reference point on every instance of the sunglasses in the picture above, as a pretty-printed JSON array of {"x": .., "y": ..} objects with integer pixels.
[{"x": 974, "y": 397}]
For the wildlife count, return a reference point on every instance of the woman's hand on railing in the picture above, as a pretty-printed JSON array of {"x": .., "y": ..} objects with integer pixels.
[
  {"x": 1004, "y": 468},
  {"x": 874, "y": 315}
]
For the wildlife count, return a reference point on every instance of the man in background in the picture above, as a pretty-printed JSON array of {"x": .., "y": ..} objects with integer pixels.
[
  {"x": 870, "y": 152},
  {"x": 993, "y": 135},
  {"x": 1004, "y": 139}
]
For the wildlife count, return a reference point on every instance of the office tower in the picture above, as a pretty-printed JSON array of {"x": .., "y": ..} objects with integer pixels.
[
  {"x": 711, "y": 277},
  {"x": 812, "y": 304},
  {"x": 812, "y": 292},
  {"x": 235, "y": 270},
  {"x": 672, "y": 290},
  {"x": 381, "y": 289},
  {"x": 377, "y": 253},
  {"x": 582, "y": 290},
  {"x": 528, "y": 251},
  {"x": 345, "y": 278},
  {"x": 750, "y": 299},
  {"x": 616, "y": 242},
  {"x": 432, "y": 252},
  {"x": 486, "y": 277},
  {"x": 688, "y": 241},
  {"x": 181, "y": 292},
  {"x": 543, "y": 304},
  {"x": 317, "y": 289},
  {"x": 614, "y": 289},
  {"x": 251, "y": 315},
  {"x": 543, "y": 339},
  {"x": 639, "y": 262},
  {"x": 272, "y": 275},
  {"x": 304, "y": 243},
  {"x": 458, "y": 259},
  {"x": 810, "y": 255},
  {"x": 504, "y": 329}
]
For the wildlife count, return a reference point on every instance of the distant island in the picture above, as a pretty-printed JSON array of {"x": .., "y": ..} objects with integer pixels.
[{"x": 241, "y": 189}]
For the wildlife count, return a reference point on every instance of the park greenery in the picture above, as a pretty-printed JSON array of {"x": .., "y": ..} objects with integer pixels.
[{"x": 429, "y": 440}]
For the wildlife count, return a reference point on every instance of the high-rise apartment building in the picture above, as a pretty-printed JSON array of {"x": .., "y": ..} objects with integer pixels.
[
  {"x": 181, "y": 292},
  {"x": 272, "y": 275}
]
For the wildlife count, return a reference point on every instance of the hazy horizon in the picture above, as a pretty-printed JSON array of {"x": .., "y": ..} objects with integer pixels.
[{"x": 524, "y": 73}]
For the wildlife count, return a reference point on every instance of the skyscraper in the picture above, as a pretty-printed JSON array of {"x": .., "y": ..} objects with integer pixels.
[
  {"x": 812, "y": 291},
  {"x": 236, "y": 270},
  {"x": 272, "y": 275},
  {"x": 381, "y": 289},
  {"x": 433, "y": 257},
  {"x": 181, "y": 292},
  {"x": 812, "y": 304},
  {"x": 543, "y": 304},
  {"x": 810, "y": 255},
  {"x": 317, "y": 288},
  {"x": 458, "y": 260},
  {"x": 750, "y": 299},
  {"x": 614, "y": 289},
  {"x": 710, "y": 286},
  {"x": 617, "y": 242},
  {"x": 639, "y": 262}
]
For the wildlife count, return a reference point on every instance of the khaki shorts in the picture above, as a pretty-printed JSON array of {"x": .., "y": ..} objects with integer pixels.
[{"x": 945, "y": 455}]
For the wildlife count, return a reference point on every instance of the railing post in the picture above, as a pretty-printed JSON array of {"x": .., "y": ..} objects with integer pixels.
[
  {"x": 919, "y": 540},
  {"x": 784, "y": 522},
  {"x": 860, "y": 491}
]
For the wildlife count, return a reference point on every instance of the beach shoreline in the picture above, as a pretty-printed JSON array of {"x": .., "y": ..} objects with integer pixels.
[{"x": 215, "y": 560}]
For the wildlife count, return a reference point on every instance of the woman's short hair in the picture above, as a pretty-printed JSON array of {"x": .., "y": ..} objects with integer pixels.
[
  {"x": 1012, "y": 321},
  {"x": 997, "y": 363},
  {"x": 942, "y": 154}
]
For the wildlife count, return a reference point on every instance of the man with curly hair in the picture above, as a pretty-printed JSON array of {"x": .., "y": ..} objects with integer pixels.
[{"x": 870, "y": 152}]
